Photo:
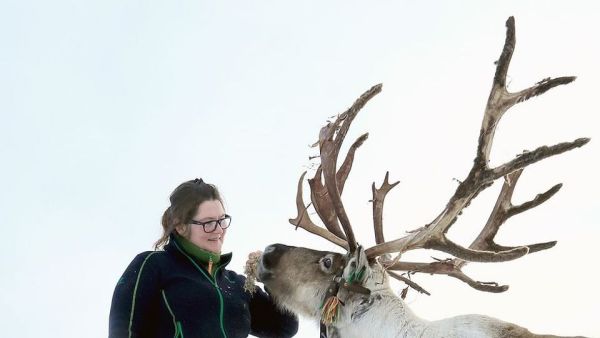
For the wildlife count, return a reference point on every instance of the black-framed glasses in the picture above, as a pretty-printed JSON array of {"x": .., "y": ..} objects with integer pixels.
[{"x": 211, "y": 226}]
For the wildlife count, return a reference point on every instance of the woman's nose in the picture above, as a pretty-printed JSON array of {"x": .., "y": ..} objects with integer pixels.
[{"x": 219, "y": 230}]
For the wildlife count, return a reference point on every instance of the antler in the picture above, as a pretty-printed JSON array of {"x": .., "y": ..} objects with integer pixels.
[
  {"x": 303, "y": 220},
  {"x": 327, "y": 198},
  {"x": 320, "y": 196},
  {"x": 481, "y": 176},
  {"x": 378, "y": 199}
]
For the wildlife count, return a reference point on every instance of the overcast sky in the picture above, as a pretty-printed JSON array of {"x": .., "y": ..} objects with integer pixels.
[{"x": 108, "y": 105}]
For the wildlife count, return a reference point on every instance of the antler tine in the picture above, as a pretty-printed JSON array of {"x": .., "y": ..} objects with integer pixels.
[
  {"x": 378, "y": 199},
  {"x": 303, "y": 220},
  {"x": 448, "y": 268},
  {"x": 493, "y": 110},
  {"x": 537, "y": 155},
  {"x": 480, "y": 177},
  {"x": 323, "y": 205},
  {"x": 330, "y": 147},
  {"x": 346, "y": 166},
  {"x": 408, "y": 282},
  {"x": 320, "y": 196},
  {"x": 500, "y": 100},
  {"x": 503, "y": 210}
]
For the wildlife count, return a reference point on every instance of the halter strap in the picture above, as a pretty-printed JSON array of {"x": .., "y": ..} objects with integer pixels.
[{"x": 331, "y": 300}]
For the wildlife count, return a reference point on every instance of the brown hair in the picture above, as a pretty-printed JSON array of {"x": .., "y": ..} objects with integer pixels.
[{"x": 185, "y": 200}]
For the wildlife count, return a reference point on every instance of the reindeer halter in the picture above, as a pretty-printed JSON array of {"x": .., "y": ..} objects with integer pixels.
[{"x": 352, "y": 283}]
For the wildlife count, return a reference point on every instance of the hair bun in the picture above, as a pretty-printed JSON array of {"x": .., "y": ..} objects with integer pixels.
[{"x": 198, "y": 181}]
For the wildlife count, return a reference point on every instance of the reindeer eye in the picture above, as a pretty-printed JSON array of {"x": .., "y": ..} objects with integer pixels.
[{"x": 327, "y": 263}]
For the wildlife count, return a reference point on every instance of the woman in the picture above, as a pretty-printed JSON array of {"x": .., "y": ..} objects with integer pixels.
[{"x": 185, "y": 290}]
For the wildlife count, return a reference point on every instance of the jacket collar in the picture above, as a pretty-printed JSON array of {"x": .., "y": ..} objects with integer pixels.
[{"x": 182, "y": 246}]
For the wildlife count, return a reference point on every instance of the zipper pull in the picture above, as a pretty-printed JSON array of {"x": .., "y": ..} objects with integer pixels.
[{"x": 210, "y": 264}]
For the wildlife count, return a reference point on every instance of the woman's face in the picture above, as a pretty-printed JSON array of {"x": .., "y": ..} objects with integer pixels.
[{"x": 211, "y": 210}]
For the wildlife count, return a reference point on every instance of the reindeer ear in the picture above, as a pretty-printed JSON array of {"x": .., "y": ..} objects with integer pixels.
[{"x": 357, "y": 269}]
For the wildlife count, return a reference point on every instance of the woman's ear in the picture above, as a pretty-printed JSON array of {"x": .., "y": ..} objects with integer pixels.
[{"x": 181, "y": 229}]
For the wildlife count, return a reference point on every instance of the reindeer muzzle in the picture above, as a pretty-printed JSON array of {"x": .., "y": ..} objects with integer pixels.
[{"x": 270, "y": 259}]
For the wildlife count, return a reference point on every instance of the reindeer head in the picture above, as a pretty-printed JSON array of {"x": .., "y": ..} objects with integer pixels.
[{"x": 301, "y": 279}]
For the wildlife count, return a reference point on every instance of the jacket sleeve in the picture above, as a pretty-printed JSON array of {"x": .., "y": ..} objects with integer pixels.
[
  {"x": 135, "y": 299},
  {"x": 267, "y": 320}
]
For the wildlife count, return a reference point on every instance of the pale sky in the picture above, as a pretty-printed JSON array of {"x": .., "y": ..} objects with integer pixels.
[{"x": 108, "y": 105}]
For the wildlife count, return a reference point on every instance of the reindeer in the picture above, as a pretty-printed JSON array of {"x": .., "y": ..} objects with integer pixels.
[{"x": 350, "y": 293}]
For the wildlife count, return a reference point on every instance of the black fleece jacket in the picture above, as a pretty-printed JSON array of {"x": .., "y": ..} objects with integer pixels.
[{"x": 171, "y": 294}]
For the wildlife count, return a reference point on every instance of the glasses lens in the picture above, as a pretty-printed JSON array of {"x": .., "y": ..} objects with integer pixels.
[
  {"x": 210, "y": 226},
  {"x": 225, "y": 222}
]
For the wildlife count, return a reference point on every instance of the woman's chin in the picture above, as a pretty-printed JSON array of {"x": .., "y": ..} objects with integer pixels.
[{"x": 214, "y": 247}]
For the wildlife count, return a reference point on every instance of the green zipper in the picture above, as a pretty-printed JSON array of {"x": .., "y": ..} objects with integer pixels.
[
  {"x": 176, "y": 324},
  {"x": 179, "y": 329},
  {"x": 137, "y": 281},
  {"x": 213, "y": 281}
]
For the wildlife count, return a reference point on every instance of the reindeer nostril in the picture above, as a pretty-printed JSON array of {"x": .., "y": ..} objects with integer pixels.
[{"x": 269, "y": 256}]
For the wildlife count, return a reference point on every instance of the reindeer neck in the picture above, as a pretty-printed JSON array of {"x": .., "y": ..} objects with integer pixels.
[{"x": 372, "y": 317}]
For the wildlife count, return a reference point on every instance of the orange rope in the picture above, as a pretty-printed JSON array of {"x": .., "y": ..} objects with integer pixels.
[{"x": 330, "y": 310}]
